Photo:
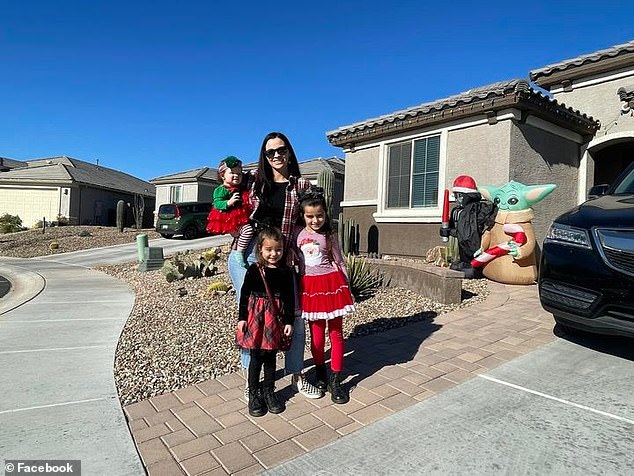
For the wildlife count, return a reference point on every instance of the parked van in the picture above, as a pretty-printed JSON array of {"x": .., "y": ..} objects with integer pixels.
[{"x": 188, "y": 219}]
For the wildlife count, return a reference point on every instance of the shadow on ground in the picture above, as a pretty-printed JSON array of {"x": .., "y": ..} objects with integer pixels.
[
  {"x": 614, "y": 345},
  {"x": 385, "y": 342}
]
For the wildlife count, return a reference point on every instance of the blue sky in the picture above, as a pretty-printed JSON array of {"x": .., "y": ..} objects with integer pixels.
[{"x": 157, "y": 87}]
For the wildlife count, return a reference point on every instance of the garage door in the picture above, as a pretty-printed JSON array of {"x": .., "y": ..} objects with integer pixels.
[{"x": 30, "y": 204}]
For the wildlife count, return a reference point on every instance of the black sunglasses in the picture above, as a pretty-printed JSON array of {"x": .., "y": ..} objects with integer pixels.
[{"x": 270, "y": 153}]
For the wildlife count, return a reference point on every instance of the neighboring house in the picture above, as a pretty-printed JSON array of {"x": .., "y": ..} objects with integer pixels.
[
  {"x": 195, "y": 185},
  {"x": 310, "y": 169},
  {"x": 399, "y": 164},
  {"x": 63, "y": 188},
  {"x": 198, "y": 184}
]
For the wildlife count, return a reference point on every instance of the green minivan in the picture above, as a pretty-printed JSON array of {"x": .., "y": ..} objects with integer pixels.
[{"x": 188, "y": 219}]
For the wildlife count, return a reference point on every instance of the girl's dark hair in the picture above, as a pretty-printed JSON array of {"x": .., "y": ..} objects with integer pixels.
[
  {"x": 265, "y": 171},
  {"x": 314, "y": 198},
  {"x": 268, "y": 233}
]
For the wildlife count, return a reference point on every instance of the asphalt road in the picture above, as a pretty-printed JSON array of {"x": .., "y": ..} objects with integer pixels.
[{"x": 564, "y": 409}]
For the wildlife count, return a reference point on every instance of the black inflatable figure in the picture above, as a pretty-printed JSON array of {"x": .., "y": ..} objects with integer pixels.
[{"x": 469, "y": 219}]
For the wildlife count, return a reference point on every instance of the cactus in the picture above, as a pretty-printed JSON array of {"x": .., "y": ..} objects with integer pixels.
[
  {"x": 176, "y": 268},
  {"x": 120, "y": 215},
  {"x": 348, "y": 236},
  {"x": 326, "y": 180},
  {"x": 340, "y": 230},
  {"x": 53, "y": 245}
]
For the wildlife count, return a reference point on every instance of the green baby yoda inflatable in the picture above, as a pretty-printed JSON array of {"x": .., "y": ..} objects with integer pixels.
[{"x": 507, "y": 252}]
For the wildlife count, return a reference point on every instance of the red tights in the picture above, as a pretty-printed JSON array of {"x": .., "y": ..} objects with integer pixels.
[{"x": 318, "y": 342}]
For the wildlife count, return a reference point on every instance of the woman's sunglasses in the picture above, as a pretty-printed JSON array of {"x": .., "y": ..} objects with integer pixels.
[{"x": 282, "y": 151}]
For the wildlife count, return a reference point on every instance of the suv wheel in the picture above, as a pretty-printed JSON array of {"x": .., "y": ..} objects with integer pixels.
[
  {"x": 165, "y": 235},
  {"x": 190, "y": 232}
]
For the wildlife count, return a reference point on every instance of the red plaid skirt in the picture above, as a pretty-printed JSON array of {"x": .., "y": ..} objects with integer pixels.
[
  {"x": 264, "y": 330},
  {"x": 326, "y": 296}
]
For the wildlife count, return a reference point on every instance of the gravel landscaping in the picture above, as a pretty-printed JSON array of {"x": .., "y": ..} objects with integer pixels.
[
  {"x": 35, "y": 242},
  {"x": 179, "y": 333}
]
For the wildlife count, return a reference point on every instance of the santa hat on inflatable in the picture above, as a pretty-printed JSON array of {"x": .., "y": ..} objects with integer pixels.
[{"x": 464, "y": 184}]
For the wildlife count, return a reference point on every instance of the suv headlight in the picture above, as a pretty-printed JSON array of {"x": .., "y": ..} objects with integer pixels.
[{"x": 568, "y": 235}]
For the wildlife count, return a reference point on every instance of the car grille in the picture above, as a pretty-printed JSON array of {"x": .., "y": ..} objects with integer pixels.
[
  {"x": 562, "y": 295},
  {"x": 617, "y": 248}
]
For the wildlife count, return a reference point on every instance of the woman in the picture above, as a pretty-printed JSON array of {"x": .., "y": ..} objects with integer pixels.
[{"x": 273, "y": 194}]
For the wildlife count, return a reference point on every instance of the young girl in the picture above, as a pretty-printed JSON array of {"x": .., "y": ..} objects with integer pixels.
[
  {"x": 231, "y": 210},
  {"x": 266, "y": 316},
  {"x": 324, "y": 293}
]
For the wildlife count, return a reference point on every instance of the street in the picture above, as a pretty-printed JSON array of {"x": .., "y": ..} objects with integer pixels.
[{"x": 126, "y": 253}]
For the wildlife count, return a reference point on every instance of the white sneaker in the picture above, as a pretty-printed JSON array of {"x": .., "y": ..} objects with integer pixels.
[
  {"x": 246, "y": 392},
  {"x": 306, "y": 388}
]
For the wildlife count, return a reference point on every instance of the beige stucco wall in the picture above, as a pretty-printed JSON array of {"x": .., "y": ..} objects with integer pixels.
[
  {"x": 539, "y": 157},
  {"x": 362, "y": 170},
  {"x": 398, "y": 239},
  {"x": 601, "y": 102},
  {"x": 480, "y": 151}
]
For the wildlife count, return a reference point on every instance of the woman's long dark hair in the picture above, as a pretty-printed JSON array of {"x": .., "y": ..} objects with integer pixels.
[{"x": 265, "y": 171}]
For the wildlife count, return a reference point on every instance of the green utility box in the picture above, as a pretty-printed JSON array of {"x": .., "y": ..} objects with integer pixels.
[{"x": 152, "y": 259}]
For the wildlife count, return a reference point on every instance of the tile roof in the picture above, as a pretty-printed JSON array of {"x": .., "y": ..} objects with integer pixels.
[
  {"x": 66, "y": 171},
  {"x": 477, "y": 101},
  {"x": 312, "y": 167},
  {"x": 6, "y": 163},
  {"x": 623, "y": 52},
  {"x": 193, "y": 175}
]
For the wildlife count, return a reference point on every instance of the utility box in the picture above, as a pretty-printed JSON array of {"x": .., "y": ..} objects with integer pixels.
[
  {"x": 141, "y": 246},
  {"x": 153, "y": 259}
]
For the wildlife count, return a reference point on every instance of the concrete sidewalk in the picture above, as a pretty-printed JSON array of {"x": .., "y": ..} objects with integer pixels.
[
  {"x": 59, "y": 327},
  {"x": 206, "y": 428}
]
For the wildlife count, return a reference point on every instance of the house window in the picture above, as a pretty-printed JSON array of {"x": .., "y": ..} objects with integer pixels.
[
  {"x": 175, "y": 193},
  {"x": 413, "y": 173}
]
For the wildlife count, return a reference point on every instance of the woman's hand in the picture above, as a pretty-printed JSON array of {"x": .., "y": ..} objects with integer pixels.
[
  {"x": 288, "y": 330},
  {"x": 242, "y": 326}
]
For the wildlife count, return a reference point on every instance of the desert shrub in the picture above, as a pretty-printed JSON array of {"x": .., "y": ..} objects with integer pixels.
[
  {"x": 10, "y": 223},
  {"x": 84, "y": 233},
  {"x": 364, "y": 278},
  {"x": 180, "y": 267}
]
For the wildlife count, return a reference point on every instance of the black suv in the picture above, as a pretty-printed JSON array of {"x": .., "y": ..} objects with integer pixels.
[
  {"x": 188, "y": 219},
  {"x": 586, "y": 276}
]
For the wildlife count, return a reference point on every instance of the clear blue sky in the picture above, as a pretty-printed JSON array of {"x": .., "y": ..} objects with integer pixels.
[{"x": 157, "y": 87}]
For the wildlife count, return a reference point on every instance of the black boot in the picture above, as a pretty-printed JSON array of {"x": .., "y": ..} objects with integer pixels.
[
  {"x": 272, "y": 403},
  {"x": 337, "y": 392},
  {"x": 321, "y": 377},
  {"x": 257, "y": 407}
]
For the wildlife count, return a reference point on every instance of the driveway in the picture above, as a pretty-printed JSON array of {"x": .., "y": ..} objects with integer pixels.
[{"x": 566, "y": 408}]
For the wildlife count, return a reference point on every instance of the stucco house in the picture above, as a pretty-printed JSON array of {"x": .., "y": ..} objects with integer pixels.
[
  {"x": 600, "y": 84},
  {"x": 399, "y": 164},
  {"x": 63, "y": 188},
  {"x": 198, "y": 184}
]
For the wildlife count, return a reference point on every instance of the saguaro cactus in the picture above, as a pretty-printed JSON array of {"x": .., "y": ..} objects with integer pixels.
[
  {"x": 326, "y": 180},
  {"x": 120, "y": 215}
]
